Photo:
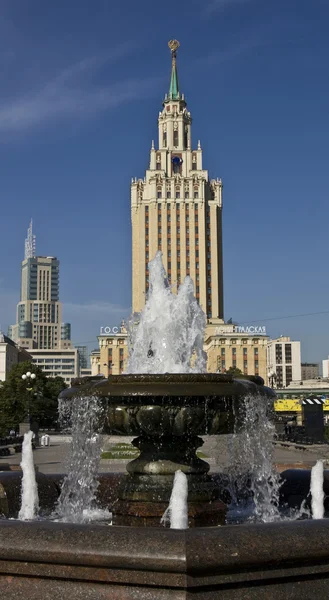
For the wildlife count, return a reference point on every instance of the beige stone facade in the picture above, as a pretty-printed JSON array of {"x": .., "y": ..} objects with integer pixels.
[
  {"x": 111, "y": 359},
  {"x": 224, "y": 348},
  {"x": 228, "y": 348},
  {"x": 177, "y": 209}
]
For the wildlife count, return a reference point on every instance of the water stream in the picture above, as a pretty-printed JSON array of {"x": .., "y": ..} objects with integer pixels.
[{"x": 29, "y": 493}]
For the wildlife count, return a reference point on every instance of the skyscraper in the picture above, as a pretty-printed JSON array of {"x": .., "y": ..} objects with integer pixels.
[
  {"x": 177, "y": 209},
  {"x": 39, "y": 312}
]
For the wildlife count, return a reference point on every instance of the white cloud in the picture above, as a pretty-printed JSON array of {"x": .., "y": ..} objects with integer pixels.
[
  {"x": 70, "y": 94},
  {"x": 87, "y": 319}
]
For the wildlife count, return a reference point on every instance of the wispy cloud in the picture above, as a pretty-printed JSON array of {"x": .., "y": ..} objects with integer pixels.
[
  {"x": 220, "y": 5},
  {"x": 87, "y": 319},
  {"x": 97, "y": 308},
  {"x": 70, "y": 94}
]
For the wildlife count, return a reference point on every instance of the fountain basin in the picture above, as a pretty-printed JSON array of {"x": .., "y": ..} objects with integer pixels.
[
  {"x": 168, "y": 413},
  {"x": 170, "y": 404}
]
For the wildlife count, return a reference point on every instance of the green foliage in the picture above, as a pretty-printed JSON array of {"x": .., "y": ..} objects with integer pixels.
[
  {"x": 234, "y": 371},
  {"x": 17, "y": 396}
]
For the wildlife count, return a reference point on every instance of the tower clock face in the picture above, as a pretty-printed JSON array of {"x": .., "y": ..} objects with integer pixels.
[{"x": 176, "y": 161}]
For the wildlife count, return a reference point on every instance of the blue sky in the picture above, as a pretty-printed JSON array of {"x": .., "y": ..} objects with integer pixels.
[{"x": 82, "y": 83}]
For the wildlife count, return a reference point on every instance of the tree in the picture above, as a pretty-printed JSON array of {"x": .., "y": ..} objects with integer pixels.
[
  {"x": 234, "y": 371},
  {"x": 17, "y": 397}
]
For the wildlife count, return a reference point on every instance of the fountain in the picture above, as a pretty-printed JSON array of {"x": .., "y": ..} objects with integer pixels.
[{"x": 167, "y": 401}]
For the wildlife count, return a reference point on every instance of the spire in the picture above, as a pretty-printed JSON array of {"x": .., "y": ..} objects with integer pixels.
[
  {"x": 30, "y": 243},
  {"x": 174, "y": 86}
]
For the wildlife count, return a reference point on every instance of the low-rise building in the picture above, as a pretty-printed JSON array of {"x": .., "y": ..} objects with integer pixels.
[
  {"x": 283, "y": 362},
  {"x": 230, "y": 346},
  {"x": 111, "y": 359},
  {"x": 10, "y": 354},
  {"x": 310, "y": 371},
  {"x": 224, "y": 345},
  {"x": 58, "y": 362}
]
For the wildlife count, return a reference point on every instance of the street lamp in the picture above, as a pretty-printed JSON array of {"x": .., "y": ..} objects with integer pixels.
[{"x": 29, "y": 378}]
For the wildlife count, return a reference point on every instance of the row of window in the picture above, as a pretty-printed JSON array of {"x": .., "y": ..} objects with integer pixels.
[{"x": 178, "y": 195}]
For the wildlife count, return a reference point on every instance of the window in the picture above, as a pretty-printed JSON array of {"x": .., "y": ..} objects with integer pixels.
[
  {"x": 197, "y": 265},
  {"x": 196, "y": 195},
  {"x": 168, "y": 230},
  {"x": 168, "y": 218},
  {"x": 169, "y": 253},
  {"x": 175, "y": 138},
  {"x": 168, "y": 194},
  {"x": 278, "y": 353},
  {"x": 159, "y": 194},
  {"x": 222, "y": 351},
  {"x": 164, "y": 138},
  {"x": 193, "y": 166},
  {"x": 197, "y": 289},
  {"x": 159, "y": 229},
  {"x": 177, "y": 194},
  {"x": 169, "y": 265},
  {"x": 197, "y": 253},
  {"x": 288, "y": 354},
  {"x": 186, "y": 194},
  {"x": 158, "y": 166},
  {"x": 178, "y": 229},
  {"x": 177, "y": 205}
]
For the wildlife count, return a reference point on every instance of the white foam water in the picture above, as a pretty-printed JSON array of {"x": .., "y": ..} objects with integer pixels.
[
  {"x": 252, "y": 461},
  {"x": 167, "y": 337},
  {"x": 317, "y": 492},
  {"x": 77, "y": 499},
  {"x": 29, "y": 494},
  {"x": 177, "y": 511}
]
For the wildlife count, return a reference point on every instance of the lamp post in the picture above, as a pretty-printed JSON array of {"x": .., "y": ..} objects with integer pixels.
[{"x": 29, "y": 379}]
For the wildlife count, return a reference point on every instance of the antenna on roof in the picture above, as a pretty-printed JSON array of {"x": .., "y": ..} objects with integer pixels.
[{"x": 30, "y": 243}]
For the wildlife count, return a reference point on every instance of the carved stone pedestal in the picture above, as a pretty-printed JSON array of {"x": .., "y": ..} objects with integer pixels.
[{"x": 145, "y": 495}]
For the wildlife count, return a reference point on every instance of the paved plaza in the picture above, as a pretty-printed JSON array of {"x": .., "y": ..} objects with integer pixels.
[{"x": 53, "y": 459}]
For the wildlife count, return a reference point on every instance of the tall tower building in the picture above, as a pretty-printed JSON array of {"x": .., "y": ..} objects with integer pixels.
[
  {"x": 39, "y": 312},
  {"x": 178, "y": 210}
]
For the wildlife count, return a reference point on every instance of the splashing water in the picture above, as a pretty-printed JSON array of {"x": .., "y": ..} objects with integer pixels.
[
  {"x": 30, "y": 499},
  {"x": 167, "y": 337},
  {"x": 252, "y": 467},
  {"x": 317, "y": 490},
  {"x": 177, "y": 512},
  {"x": 77, "y": 501}
]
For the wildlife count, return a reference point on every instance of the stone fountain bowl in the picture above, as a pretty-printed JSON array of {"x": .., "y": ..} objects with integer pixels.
[{"x": 171, "y": 404}]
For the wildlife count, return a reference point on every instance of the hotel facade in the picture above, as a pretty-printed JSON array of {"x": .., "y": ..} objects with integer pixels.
[{"x": 177, "y": 209}]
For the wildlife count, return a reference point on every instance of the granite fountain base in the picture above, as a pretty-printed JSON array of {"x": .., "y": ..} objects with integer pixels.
[{"x": 47, "y": 560}]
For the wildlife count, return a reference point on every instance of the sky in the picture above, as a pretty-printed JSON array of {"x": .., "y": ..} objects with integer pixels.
[{"x": 81, "y": 88}]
